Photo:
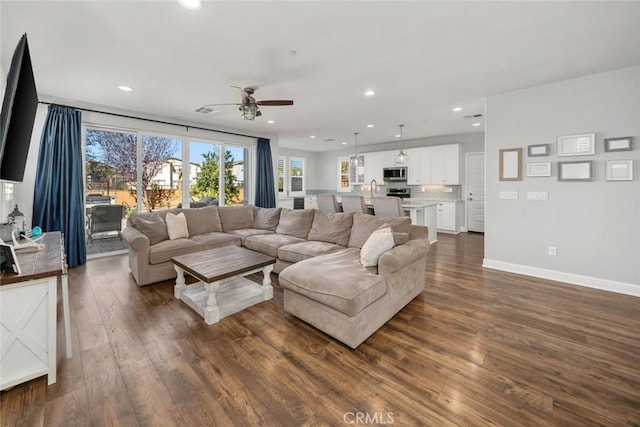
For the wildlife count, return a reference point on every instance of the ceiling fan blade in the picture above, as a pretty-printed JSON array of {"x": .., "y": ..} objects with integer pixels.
[
  {"x": 275, "y": 102},
  {"x": 217, "y": 105}
]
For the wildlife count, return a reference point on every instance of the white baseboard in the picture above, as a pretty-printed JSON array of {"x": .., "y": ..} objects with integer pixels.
[{"x": 574, "y": 279}]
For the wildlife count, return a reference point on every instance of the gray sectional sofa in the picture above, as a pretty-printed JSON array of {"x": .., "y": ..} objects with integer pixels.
[{"x": 318, "y": 258}]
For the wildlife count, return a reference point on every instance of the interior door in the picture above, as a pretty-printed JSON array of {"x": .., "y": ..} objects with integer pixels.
[{"x": 475, "y": 191}]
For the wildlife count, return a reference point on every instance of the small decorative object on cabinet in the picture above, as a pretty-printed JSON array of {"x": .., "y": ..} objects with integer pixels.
[
  {"x": 619, "y": 170},
  {"x": 539, "y": 169},
  {"x": 618, "y": 144},
  {"x": 577, "y": 145},
  {"x": 538, "y": 150},
  {"x": 575, "y": 171},
  {"x": 511, "y": 164}
]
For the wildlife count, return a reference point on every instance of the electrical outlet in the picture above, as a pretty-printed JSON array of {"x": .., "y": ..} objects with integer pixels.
[
  {"x": 508, "y": 195},
  {"x": 552, "y": 251}
]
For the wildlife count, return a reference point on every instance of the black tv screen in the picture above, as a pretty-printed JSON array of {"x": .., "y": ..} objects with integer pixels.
[{"x": 18, "y": 114}]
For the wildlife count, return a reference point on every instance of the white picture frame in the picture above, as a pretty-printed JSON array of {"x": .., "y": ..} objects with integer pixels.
[
  {"x": 619, "y": 170},
  {"x": 575, "y": 171},
  {"x": 539, "y": 169},
  {"x": 577, "y": 145}
]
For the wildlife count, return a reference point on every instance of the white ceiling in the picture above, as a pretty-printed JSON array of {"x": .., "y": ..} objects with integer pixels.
[{"x": 422, "y": 58}]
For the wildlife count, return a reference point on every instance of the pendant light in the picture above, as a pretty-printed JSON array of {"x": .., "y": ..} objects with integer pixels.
[
  {"x": 402, "y": 157},
  {"x": 354, "y": 159}
]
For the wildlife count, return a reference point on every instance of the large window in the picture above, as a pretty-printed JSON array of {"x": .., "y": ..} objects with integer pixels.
[
  {"x": 218, "y": 177},
  {"x": 139, "y": 171}
]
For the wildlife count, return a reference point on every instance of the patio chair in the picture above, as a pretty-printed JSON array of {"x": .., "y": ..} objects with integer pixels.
[{"x": 104, "y": 218}]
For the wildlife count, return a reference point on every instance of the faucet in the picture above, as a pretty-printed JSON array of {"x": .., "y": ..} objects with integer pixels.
[{"x": 374, "y": 184}]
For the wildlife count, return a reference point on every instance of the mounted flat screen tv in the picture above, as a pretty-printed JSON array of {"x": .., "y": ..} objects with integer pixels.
[{"x": 18, "y": 114}]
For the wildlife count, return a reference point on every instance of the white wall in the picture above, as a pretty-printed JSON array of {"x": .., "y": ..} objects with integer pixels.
[{"x": 594, "y": 225}]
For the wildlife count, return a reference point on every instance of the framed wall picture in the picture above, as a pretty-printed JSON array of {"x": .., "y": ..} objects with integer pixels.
[
  {"x": 577, "y": 145},
  {"x": 619, "y": 170},
  {"x": 618, "y": 144},
  {"x": 538, "y": 150},
  {"x": 511, "y": 164},
  {"x": 575, "y": 171},
  {"x": 539, "y": 169}
]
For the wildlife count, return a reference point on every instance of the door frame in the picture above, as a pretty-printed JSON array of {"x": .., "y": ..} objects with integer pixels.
[{"x": 466, "y": 186}]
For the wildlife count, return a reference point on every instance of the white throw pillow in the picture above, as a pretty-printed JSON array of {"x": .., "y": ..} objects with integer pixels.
[
  {"x": 378, "y": 243},
  {"x": 177, "y": 226}
]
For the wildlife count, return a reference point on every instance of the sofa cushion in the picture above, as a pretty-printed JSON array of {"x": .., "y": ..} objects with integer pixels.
[
  {"x": 268, "y": 244},
  {"x": 177, "y": 226},
  {"x": 331, "y": 227},
  {"x": 203, "y": 220},
  {"x": 163, "y": 251},
  {"x": 266, "y": 218},
  {"x": 246, "y": 232},
  {"x": 154, "y": 228},
  {"x": 378, "y": 243},
  {"x": 295, "y": 222},
  {"x": 343, "y": 283},
  {"x": 235, "y": 217},
  {"x": 300, "y": 251},
  {"x": 364, "y": 225},
  {"x": 216, "y": 240}
]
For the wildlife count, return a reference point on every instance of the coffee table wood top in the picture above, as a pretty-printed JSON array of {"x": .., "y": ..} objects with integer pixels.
[{"x": 220, "y": 263}]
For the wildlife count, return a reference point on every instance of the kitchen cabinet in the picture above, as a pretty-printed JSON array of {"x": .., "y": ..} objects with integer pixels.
[
  {"x": 310, "y": 202},
  {"x": 344, "y": 175},
  {"x": 286, "y": 203},
  {"x": 449, "y": 216},
  {"x": 375, "y": 163},
  {"x": 435, "y": 165},
  {"x": 356, "y": 169}
]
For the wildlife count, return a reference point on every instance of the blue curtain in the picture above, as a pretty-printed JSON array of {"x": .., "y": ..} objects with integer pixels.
[
  {"x": 58, "y": 197},
  {"x": 265, "y": 187}
]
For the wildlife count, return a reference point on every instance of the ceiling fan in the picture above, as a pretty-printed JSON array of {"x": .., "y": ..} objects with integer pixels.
[{"x": 249, "y": 107}]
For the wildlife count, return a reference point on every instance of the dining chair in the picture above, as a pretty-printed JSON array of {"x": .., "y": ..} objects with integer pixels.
[
  {"x": 388, "y": 206},
  {"x": 354, "y": 204},
  {"x": 327, "y": 203}
]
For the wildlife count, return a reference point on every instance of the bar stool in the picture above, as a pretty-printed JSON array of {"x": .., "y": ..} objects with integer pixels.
[
  {"x": 353, "y": 204},
  {"x": 327, "y": 203},
  {"x": 388, "y": 206}
]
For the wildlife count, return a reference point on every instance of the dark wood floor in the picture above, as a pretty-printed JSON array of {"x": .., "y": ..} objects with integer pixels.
[{"x": 477, "y": 347}]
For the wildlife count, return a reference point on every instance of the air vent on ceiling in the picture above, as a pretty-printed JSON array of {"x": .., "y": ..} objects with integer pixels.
[
  {"x": 328, "y": 140},
  {"x": 472, "y": 116},
  {"x": 206, "y": 110}
]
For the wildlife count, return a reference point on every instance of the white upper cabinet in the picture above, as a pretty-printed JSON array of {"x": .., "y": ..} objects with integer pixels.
[
  {"x": 375, "y": 163},
  {"x": 438, "y": 164}
]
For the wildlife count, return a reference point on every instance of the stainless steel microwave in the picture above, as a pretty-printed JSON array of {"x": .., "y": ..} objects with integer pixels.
[{"x": 398, "y": 173}]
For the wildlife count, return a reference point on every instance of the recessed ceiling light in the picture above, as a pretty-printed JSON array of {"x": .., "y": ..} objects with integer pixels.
[
  {"x": 191, "y": 4},
  {"x": 457, "y": 109},
  {"x": 343, "y": 143},
  {"x": 475, "y": 124},
  {"x": 369, "y": 126},
  {"x": 270, "y": 121},
  {"x": 125, "y": 88},
  {"x": 369, "y": 93},
  {"x": 398, "y": 135},
  {"x": 312, "y": 137}
]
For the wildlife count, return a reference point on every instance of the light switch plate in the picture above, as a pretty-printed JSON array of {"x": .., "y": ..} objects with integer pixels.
[
  {"x": 509, "y": 195},
  {"x": 537, "y": 195}
]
